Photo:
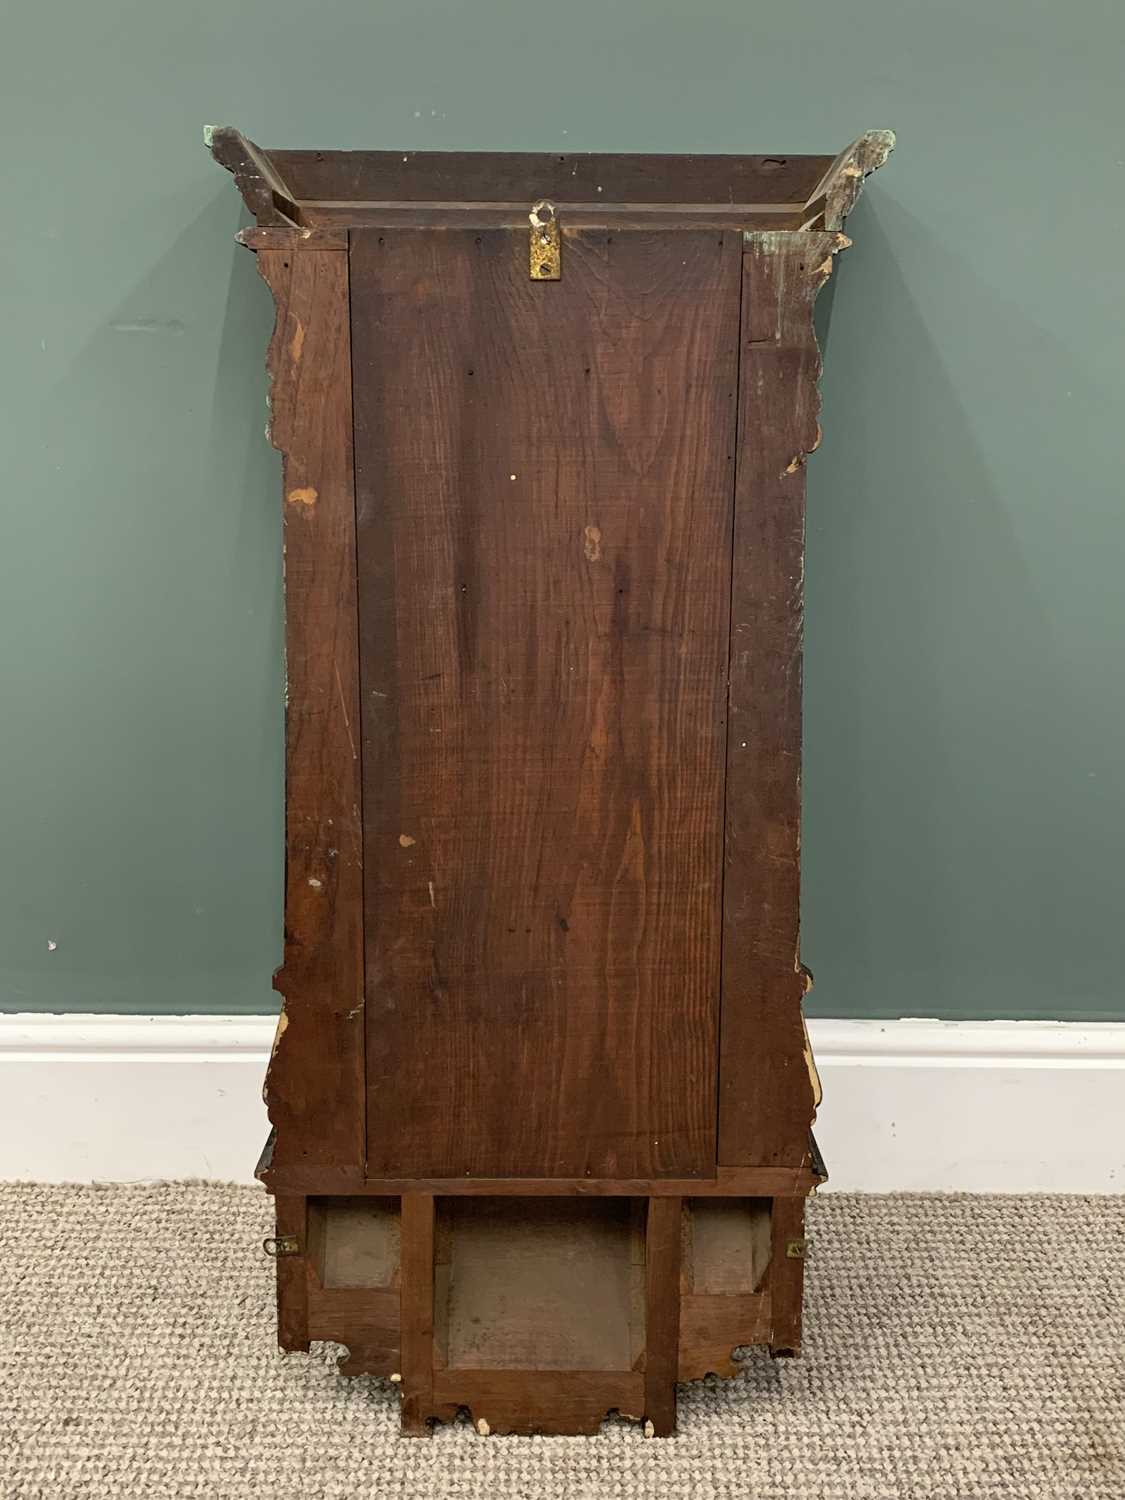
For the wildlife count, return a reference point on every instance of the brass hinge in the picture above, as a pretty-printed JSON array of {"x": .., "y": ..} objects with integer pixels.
[
  {"x": 795, "y": 1249},
  {"x": 283, "y": 1244},
  {"x": 544, "y": 249}
]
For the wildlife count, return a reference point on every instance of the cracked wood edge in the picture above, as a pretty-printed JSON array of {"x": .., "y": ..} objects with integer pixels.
[
  {"x": 263, "y": 190},
  {"x": 314, "y": 1087},
  {"x": 835, "y": 195},
  {"x": 768, "y": 1087}
]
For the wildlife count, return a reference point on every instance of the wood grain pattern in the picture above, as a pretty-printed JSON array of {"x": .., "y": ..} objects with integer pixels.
[
  {"x": 662, "y": 1312},
  {"x": 544, "y": 666},
  {"x": 366, "y": 1320},
  {"x": 711, "y": 1328},
  {"x": 766, "y": 1093},
  {"x": 314, "y": 1088}
]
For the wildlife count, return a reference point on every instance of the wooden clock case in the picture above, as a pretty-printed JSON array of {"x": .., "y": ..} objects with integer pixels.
[{"x": 541, "y": 1091}]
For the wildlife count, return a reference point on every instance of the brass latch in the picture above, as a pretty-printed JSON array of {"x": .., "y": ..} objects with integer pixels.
[
  {"x": 544, "y": 250},
  {"x": 284, "y": 1244},
  {"x": 795, "y": 1249}
]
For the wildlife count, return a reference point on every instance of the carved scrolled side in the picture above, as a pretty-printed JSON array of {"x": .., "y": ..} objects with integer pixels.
[
  {"x": 315, "y": 1085},
  {"x": 769, "y": 1089},
  {"x": 263, "y": 191},
  {"x": 838, "y": 190}
]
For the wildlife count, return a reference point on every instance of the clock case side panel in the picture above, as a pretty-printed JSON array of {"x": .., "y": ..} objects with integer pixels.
[
  {"x": 314, "y": 1088},
  {"x": 768, "y": 1086}
]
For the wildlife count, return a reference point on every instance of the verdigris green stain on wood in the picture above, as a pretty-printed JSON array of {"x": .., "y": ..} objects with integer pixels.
[{"x": 964, "y": 788}]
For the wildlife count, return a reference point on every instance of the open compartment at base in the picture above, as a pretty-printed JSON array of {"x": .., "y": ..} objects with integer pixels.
[
  {"x": 727, "y": 1244},
  {"x": 725, "y": 1280},
  {"x": 539, "y": 1284},
  {"x": 354, "y": 1242},
  {"x": 353, "y": 1280}
]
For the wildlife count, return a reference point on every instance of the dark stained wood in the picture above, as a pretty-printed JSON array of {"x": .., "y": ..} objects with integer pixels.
[
  {"x": 766, "y": 1088},
  {"x": 265, "y": 194},
  {"x": 315, "y": 1085},
  {"x": 662, "y": 1312},
  {"x": 787, "y": 1276},
  {"x": 296, "y": 1177},
  {"x": 540, "y": 1401},
  {"x": 365, "y": 1319},
  {"x": 417, "y": 1311},
  {"x": 292, "y": 1298},
  {"x": 728, "y": 1182},
  {"x": 330, "y": 219},
  {"x": 543, "y": 750},
  {"x": 712, "y": 1327},
  {"x": 282, "y": 237},
  {"x": 543, "y": 681},
  {"x": 499, "y": 176}
]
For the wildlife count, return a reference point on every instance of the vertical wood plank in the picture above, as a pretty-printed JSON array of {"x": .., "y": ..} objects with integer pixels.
[
  {"x": 417, "y": 1315},
  {"x": 786, "y": 1275},
  {"x": 767, "y": 1088},
  {"x": 292, "y": 1281},
  {"x": 662, "y": 1312},
  {"x": 544, "y": 480},
  {"x": 315, "y": 1084}
]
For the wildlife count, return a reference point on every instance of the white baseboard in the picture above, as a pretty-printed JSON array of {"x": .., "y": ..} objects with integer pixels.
[{"x": 933, "y": 1106}]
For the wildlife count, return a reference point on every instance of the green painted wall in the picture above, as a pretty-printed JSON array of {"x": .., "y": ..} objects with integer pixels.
[{"x": 964, "y": 767}]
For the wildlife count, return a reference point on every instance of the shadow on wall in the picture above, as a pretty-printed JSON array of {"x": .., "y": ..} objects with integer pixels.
[{"x": 933, "y": 685}]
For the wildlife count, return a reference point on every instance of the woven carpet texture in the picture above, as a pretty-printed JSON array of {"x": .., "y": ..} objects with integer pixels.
[{"x": 955, "y": 1347}]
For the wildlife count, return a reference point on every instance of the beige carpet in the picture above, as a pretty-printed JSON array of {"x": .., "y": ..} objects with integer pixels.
[{"x": 956, "y": 1347}]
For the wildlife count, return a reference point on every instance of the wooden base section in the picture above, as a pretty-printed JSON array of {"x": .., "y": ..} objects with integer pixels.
[{"x": 540, "y": 1315}]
